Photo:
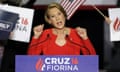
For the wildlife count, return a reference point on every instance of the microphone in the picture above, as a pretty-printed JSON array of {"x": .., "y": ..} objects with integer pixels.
[
  {"x": 48, "y": 36},
  {"x": 67, "y": 36}
]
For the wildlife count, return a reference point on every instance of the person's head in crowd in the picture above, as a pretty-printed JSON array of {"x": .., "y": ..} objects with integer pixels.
[{"x": 55, "y": 14}]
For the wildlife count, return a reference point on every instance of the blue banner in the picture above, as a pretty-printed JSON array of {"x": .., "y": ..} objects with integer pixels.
[
  {"x": 87, "y": 63},
  {"x": 8, "y": 21}
]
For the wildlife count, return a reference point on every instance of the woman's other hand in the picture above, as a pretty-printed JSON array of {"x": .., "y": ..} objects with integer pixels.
[
  {"x": 38, "y": 30},
  {"x": 82, "y": 32}
]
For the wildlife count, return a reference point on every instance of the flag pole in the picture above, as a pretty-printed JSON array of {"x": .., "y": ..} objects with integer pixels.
[
  {"x": 105, "y": 17},
  {"x": 98, "y": 11}
]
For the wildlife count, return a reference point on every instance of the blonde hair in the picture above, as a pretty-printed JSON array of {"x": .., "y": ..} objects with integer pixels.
[{"x": 54, "y": 5}]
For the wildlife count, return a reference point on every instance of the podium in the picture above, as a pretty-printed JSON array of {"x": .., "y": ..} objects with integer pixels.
[{"x": 56, "y": 63}]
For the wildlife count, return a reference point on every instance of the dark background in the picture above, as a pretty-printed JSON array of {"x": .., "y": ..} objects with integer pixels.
[{"x": 89, "y": 19}]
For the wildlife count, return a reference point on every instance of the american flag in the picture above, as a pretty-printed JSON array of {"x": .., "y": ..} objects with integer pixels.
[{"x": 70, "y": 6}]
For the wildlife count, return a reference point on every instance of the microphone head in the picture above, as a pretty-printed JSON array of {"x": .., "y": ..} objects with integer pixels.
[
  {"x": 67, "y": 36},
  {"x": 48, "y": 35}
]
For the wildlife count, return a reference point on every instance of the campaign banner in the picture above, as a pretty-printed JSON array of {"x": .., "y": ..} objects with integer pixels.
[
  {"x": 114, "y": 15},
  {"x": 22, "y": 30},
  {"x": 8, "y": 21},
  {"x": 73, "y": 63}
]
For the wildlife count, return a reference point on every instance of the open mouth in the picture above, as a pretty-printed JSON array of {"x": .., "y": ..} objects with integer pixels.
[{"x": 59, "y": 23}]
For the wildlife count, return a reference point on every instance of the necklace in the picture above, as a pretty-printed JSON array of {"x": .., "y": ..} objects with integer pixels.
[{"x": 60, "y": 40}]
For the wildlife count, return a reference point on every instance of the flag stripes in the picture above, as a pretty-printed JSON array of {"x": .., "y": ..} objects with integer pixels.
[{"x": 71, "y": 6}]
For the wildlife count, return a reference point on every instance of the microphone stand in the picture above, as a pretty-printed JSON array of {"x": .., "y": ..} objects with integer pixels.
[{"x": 41, "y": 41}]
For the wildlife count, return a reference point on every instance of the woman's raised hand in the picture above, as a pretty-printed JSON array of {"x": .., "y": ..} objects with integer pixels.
[
  {"x": 38, "y": 30},
  {"x": 82, "y": 33}
]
